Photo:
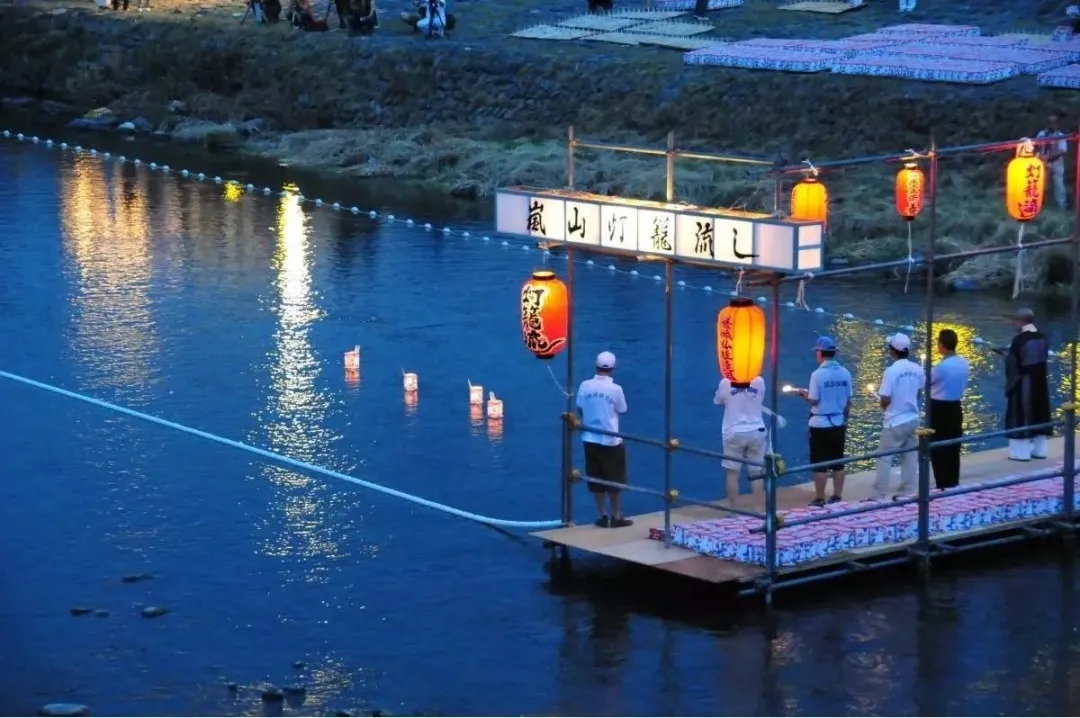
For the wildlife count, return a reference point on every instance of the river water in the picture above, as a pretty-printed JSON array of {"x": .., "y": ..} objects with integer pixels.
[{"x": 230, "y": 312}]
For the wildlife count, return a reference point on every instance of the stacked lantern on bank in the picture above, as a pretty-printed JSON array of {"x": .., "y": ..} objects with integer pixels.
[
  {"x": 1025, "y": 182},
  {"x": 910, "y": 190},
  {"x": 740, "y": 341},
  {"x": 810, "y": 199},
  {"x": 544, "y": 314}
]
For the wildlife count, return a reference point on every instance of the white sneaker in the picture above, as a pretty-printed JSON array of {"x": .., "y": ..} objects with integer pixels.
[
  {"x": 1019, "y": 449},
  {"x": 1038, "y": 447}
]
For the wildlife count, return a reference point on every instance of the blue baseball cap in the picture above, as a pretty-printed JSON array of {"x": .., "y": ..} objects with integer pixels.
[{"x": 825, "y": 344}]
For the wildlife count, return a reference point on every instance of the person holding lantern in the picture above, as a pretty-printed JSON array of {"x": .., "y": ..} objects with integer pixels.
[
  {"x": 744, "y": 433},
  {"x": 600, "y": 401},
  {"x": 829, "y": 396},
  {"x": 1027, "y": 390},
  {"x": 898, "y": 395}
]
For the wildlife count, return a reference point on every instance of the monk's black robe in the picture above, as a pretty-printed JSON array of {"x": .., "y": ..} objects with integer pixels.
[{"x": 1026, "y": 387}]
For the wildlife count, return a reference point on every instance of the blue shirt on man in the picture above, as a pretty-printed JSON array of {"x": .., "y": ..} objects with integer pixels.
[
  {"x": 949, "y": 378},
  {"x": 830, "y": 387}
]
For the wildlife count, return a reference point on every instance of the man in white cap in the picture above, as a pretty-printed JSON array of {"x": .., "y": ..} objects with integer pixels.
[
  {"x": 600, "y": 401},
  {"x": 744, "y": 433},
  {"x": 1027, "y": 390},
  {"x": 899, "y": 397}
]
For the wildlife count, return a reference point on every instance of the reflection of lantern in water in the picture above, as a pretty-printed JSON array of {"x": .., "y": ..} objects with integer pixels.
[
  {"x": 412, "y": 398},
  {"x": 494, "y": 407},
  {"x": 495, "y": 428},
  {"x": 410, "y": 381},
  {"x": 740, "y": 340},
  {"x": 476, "y": 394},
  {"x": 352, "y": 358},
  {"x": 476, "y": 415},
  {"x": 352, "y": 377},
  {"x": 544, "y": 314},
  {"x": 1025, "y": 182}
]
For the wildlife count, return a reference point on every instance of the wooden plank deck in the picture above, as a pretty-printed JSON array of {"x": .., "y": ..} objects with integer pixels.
[{"x": 632, "y": 544}]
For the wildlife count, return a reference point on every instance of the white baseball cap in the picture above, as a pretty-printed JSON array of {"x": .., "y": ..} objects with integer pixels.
[
  {"x": 899, "y": 342},
  {"x": 605, "y": 360}
]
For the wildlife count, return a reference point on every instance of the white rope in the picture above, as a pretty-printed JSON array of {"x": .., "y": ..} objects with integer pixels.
[
  {"x": 738, "y": 282},
  {"x": 562, "y": 389},
  {"x": 282, "y": 459},
  {"x": 800, "y": 294},
  {"x": 1018, "y": 270},
  {"x": 910, "y": 258}
]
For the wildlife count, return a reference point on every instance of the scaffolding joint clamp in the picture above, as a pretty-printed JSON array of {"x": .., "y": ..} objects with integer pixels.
[
  {"x": 672, "y": 494},
  {"x": 673, "y": 444},
  {"x": 575, "y": 475}
]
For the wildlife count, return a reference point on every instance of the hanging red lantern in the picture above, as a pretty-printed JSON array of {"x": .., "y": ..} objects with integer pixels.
[
  {"x": 810, "y": 200},
  {"x": 1025, "y": 183},
  {"x": 740, "y": 340},
  {"x": 910, "y": 190},
  {"x": 544, "y": 314}
]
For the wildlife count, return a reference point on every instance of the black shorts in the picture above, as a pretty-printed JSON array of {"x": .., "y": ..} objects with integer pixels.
[
  {"x": 607, "y": 463},
  {"x": 827, "y": 443}
]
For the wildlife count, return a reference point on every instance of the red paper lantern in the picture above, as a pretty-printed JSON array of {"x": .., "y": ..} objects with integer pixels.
[
  {"x": 810, "y": 201},
  {"x": 740, "y": 340},
  {"x": 1025, "y": 183},
  {"x": 910, "y": 190},
  {"x": 544, "y": 314}
]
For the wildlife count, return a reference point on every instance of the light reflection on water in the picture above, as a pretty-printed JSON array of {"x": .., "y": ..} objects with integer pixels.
[{"x": 232, "y": 314}]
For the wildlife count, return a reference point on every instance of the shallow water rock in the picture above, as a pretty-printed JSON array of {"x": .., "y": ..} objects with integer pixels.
[
  {"x": 295, "y": 691},
  {"x": 466, "y": 190},
  {"x": 64, "y": 709},
  {"x": 89, "y": 123},
  {"x": 101, "y": 613},
  {"x": 80, "y": 611},
  {"x": 299, "y": 665},
  {"x": 153, "y": 611},
  {"x": 231, "y": 686},
  {"x": 142, "y": 125},
  {"x": 126, "y": 128},
  {"x": 273, "y": 695},
  {"x": 136, "y": 577}
]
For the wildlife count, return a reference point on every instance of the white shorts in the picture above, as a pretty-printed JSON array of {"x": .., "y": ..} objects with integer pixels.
[{"x": 749, "y": 445}]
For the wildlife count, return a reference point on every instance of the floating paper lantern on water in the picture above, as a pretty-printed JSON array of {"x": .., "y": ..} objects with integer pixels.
[
  {"x": 494, "y": 407},
  {"x": 410, "y": 381},
  {"x": 1025, "y": 183},
  {"x": 352, "y": 358},
  {"x": 476, "y": 394},
  {"x": 545, "y": 306},
  {"x": 810, "y": 199},
  {"x": 910, "y": 190},
  {"x": 740, "y": 340}
]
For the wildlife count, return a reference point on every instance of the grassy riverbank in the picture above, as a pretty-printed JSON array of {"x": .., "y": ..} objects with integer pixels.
[{"x": 481, "y": 110}]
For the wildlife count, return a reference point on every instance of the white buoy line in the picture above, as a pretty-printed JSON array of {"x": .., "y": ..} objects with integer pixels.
[{"x": 447, "y": 231}]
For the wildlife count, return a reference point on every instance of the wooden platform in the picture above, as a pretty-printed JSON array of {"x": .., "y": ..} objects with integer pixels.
[{"x": 632, "y": 544}]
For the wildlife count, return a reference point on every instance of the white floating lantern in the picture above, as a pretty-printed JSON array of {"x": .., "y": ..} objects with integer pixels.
[
  {"x": 494, "y": 407},
  {"x": 410, "y": 381},
  {"x": 20, "y": 137},
  {"x": 352, "y": 358},
  {"x": 217, "y": 180},
  {"x": 476, "y": 394}
]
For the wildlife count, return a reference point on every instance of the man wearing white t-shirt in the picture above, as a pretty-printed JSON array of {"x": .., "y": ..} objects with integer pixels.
[
  {"x": 600, "y": 401},
  {"x": 744, "y": 433},
  {"x": 899, "y": 397}
]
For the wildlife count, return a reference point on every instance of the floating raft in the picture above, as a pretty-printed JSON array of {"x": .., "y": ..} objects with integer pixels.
[
  {"x": 730, "y": 538},
  {"x": 926, "y": 28},
  {"x": 691, "y": 4},
  {"x": 824, "y": 7}
]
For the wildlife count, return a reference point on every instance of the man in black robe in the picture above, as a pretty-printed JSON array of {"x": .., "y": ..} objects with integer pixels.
[{"x": 1027, "y": 389}]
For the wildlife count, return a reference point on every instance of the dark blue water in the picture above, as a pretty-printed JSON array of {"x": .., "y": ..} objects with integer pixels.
[{"x": 231, "y": 313}]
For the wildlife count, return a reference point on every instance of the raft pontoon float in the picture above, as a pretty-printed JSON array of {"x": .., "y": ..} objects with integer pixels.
[{"x": 760, "y": 553}]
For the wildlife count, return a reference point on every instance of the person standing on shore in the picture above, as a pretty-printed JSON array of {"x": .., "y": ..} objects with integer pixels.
[
  {"x": 1027, "y": 390},
  {"x": 601, "y": 401},
  {"x": 829, "y": 396},
  {"x": 898, "y": 395},
  {"x": 744, "y": 434},
  {"x": 1053, "y": 153},
  {"x": 948, "y": 382}
]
